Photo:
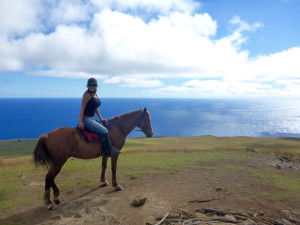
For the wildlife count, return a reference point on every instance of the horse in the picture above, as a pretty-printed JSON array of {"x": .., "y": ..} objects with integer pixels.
[{"x": 54, "y": 148}]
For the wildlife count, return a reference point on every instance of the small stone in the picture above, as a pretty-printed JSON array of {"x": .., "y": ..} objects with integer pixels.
[
  {"x": 218, "y": 189},
  {"x": 109, "y": 218},
  {"x": 225, "y": 219},
  {"x": 139, "y": 201},
  {"x": 77, "y": 215},
  {"x": 248, "y": 222},
  {"x": 250, "y": 150},
  {"x": 200, "y": 215},
  {"x": 230, "y": 219},
  {"x": 286, "y": 212},
  {"x": 149, "y": 223}
]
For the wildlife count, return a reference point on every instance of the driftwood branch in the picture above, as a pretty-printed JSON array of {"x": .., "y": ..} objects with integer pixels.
[
  {"x": 216, "y": 211},
  {"x": 275, "y": 222},
  {"x": 293, "y": 220},
  {"x": 202, "y": 201},
  {"x": 164, "y": 218},
  {"x": 185, "y": 213}
]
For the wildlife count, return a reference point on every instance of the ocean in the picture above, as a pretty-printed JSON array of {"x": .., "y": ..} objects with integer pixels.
[{"x": 29, "y": 118}]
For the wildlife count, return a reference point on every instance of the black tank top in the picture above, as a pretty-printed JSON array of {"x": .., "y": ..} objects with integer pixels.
[{"x": 92, "y": 106}]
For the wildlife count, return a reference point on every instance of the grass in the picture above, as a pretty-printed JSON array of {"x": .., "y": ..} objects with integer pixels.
[{"x": 22, "y": 184}]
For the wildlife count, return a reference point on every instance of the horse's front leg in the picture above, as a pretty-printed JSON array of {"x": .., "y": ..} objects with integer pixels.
[
  {"x": 114, "y": 161},
  {"x": 103, "y": 181}
]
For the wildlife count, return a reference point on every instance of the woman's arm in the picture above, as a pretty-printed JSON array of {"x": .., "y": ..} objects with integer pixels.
[
  {"x": 98, "y": 114},
  {"x": 86, "y": 97}
]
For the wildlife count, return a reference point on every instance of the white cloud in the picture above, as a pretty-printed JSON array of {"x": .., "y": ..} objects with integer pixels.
[
  {"x": 133, "y": 82},
  {"x": 67, "y": 12},
  {"x": 76, "y": 38},
  {"x": 18, "y": 17},
  {"x": 165, "y": 6}
]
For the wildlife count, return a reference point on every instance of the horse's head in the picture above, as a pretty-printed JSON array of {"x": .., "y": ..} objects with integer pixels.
[{"x": 145, "y": 123}]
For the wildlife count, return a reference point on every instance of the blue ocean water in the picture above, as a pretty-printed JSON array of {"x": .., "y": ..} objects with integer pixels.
[{"x": 29, "y": 118}]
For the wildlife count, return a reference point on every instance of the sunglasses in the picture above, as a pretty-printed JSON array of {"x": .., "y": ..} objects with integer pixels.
[{"x": 93, "y": 85}]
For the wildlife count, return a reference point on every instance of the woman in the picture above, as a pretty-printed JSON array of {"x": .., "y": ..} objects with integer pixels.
[{"x": 89, "y": 106}]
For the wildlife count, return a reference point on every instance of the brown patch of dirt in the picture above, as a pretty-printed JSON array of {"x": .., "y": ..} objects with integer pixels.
[{"x": 233, "y": 191}]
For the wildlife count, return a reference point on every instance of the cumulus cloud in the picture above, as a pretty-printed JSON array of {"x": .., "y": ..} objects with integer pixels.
[
  {"x": 148, "y": 5},
  {"x": 134, "y": 82},
  {"x": 116, "y": 42}
]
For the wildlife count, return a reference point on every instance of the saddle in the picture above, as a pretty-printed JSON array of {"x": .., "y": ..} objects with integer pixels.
[{"x": 90, "y": 136}]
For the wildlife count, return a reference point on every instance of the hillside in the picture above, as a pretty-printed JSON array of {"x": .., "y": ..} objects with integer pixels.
[{"x": 257, "y": 178}]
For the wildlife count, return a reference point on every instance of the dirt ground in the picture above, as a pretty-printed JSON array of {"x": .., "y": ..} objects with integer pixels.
[{"x": 232, "y": 191}]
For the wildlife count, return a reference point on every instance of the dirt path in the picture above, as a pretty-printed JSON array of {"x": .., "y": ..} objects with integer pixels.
[{"x": 233, "y": 191}]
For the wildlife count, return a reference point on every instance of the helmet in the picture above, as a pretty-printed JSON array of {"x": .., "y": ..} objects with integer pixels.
[{"x": 92, "y": 81}]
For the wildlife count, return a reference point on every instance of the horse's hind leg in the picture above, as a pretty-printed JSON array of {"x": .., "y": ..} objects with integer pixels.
[
  {"x": 103, "y": 181},
  {"x": 52, "y": 173},
  {"x": 56, "y": 191},
  {"x": 48, "y": 184}
]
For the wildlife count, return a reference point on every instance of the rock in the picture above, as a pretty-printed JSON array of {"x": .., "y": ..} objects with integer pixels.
[
  {"x": 286, "y": 212},
  {"x": 139, "y": 201},
  {"x": 109, "y": 218},
  {"x": 149, "y": 223},
  {"x": 218, "y": 189},
  {"x": 230, "y": 218},
  {"x": 250, "y": 150},
  {"x": 77, "y": 215},
  {"x": 248, "y": 222},
  {"x": 200, "y": 215},
  {"x": 286, "y": 222},
  {"x": 226, "y": 219}
]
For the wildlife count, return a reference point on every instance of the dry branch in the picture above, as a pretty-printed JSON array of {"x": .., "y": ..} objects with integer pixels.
[
  {"x": 164, "y": 218},
  {"x": 185, "y": 213},
  {"x": 202, "y": 201},
  {"x": 293, "y": 220},
  {"x": 216, "y": 211}
]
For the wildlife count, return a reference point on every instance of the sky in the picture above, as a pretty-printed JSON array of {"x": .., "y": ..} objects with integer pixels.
[{"x": 150, "y": 48}]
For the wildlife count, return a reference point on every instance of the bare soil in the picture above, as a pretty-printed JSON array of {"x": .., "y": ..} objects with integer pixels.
[{"x": 232, "y": 191}]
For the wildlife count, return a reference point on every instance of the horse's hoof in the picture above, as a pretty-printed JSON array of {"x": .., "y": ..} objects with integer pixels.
[
  {"x": 51, "y": 206},
  {"x": 57, "y": 202},
  {"x": 104, "y": 183},
  {"x": 119, "y": 188}
]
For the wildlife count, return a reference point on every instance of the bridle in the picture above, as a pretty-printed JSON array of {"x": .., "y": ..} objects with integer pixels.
[
  {"x": 146, "y": 125},
  {"x": 138, "y": 124}
]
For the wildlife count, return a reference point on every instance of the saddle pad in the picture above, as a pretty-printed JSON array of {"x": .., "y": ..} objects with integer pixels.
[{"x": 89, "y": 136}]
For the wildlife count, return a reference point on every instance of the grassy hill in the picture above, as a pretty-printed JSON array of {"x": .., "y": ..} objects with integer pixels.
[{"x": 22, "y": 184}]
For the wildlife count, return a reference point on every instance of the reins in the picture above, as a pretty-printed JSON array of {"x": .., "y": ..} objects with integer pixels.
[{"x": 122, "y": 127}]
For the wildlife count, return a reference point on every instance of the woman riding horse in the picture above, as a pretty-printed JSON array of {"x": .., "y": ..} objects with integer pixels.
[
  {"x": 54, "y": 148},
  {"x": 89, "y": 106}
]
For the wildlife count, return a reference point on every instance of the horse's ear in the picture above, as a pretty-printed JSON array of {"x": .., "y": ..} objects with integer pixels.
[{"x": 145, "y": 109}]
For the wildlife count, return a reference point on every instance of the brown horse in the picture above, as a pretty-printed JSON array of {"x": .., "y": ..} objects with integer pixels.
[{"x": 53, "y": 149}]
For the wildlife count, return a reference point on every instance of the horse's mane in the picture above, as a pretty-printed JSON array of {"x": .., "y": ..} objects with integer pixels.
[{"x": 114, "y": 118}]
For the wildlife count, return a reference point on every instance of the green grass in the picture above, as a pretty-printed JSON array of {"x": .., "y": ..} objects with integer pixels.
[
  {"x": 17, "y": 147},
  {"x": 22, "y": 184}
]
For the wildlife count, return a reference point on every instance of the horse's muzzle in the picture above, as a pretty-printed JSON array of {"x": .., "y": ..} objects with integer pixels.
[{"x": 149, "y": 134}]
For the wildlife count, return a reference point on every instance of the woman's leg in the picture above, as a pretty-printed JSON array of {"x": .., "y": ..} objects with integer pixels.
[{"x": 96, "y": 127}]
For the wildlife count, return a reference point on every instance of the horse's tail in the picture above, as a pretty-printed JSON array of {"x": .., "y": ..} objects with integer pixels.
[{"x": 41, "y": 155}]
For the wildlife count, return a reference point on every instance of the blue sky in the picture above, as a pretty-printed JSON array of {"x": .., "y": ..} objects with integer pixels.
[{"x": 142, "y": 48}]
